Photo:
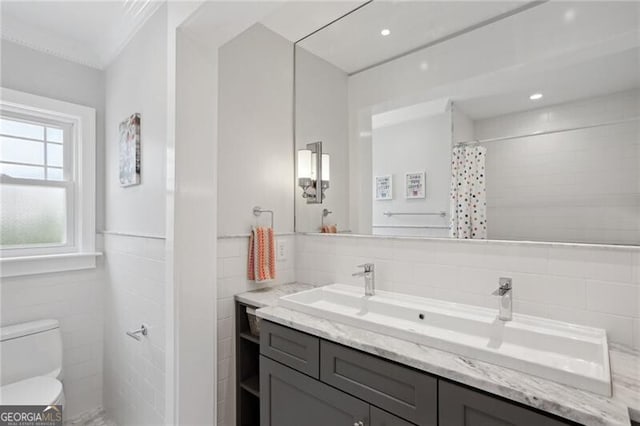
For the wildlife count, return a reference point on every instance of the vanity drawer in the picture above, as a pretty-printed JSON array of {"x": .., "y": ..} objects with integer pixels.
[
  {"x": 407, "y": 393},
  {"x": 295, "y": 349}
]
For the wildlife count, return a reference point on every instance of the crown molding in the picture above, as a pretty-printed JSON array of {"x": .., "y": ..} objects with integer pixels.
[{"x": 99, "y": 54}]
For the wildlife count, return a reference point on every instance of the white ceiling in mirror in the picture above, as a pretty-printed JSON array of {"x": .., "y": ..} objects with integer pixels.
[
  {"x": 410, "y": 24},
  {"x": 91, "y": 33},
  {"x": 510, "y": 91}
]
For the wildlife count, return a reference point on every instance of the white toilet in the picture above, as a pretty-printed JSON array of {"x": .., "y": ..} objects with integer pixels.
[{"x": 31, "y": 364}]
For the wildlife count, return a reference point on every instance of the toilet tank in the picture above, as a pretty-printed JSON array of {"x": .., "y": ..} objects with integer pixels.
[{"x": 30, "y": 349}]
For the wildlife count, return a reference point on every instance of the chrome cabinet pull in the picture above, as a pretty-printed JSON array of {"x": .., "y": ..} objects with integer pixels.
[
  {"x": 143, "y": 330},
  {"x": 359, "y": 423}
]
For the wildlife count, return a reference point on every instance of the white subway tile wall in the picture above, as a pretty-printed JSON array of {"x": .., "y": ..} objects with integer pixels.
[
  {"x": 232, "y": 279},
  {"x": 74, "y": 299},
  {"x": 592, "y": 286},
  {"x": 580, "y": 185},
  {"x": 134, "y": 372}
]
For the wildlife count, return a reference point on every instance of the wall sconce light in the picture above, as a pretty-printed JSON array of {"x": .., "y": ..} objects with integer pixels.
[{"x": 313, "y": 167}]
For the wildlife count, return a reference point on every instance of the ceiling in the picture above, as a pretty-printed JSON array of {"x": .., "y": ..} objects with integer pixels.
[
  {"x": 509, "y": 91},
  {"x": 565, "y": 50},
  {"x": 355, "y": 42},
  {"x": 291, "y": 19},
  {"x": 89, "y": 32}
]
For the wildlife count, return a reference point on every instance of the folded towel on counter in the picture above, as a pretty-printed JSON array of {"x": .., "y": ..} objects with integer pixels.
[{"x": 262, "y": 255}]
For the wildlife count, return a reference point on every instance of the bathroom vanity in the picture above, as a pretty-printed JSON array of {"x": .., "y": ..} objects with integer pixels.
[
  {"x": 305, "y": 377},
  {"x": 320, "y": 371}
]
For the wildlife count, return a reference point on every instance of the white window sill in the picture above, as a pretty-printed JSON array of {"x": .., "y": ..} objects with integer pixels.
[{"x": 30, "y": 265}]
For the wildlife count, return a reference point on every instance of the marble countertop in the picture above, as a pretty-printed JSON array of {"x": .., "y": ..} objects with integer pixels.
[
  {"x": 567, "y": 402},
  {"x": 268, "y": 296}
]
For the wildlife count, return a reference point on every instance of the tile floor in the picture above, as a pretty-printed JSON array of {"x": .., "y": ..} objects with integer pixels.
[{"x": 95, "y": 417}]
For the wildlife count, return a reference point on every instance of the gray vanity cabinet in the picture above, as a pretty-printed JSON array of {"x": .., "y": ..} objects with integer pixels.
[
  {"x": 291, "y": 398},
  {"x": 382, "y": 418},
  {"x": 305, "y": 380},
  {"x": 410, "y": 394},
  {"x": 291, "y": 347},
  {"x": 461, "y": 406}
]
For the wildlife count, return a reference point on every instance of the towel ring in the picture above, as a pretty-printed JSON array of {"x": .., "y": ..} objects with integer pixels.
[{"x": 257, "y": 211}]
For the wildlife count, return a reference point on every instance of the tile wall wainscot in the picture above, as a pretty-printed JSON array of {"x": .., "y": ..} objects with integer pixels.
[
  {"x": 134, "y": 376},
  {"x": 74, "y": 299},
  {"x": 232, "y": 279},
  {"x": 589, "y": 285}
]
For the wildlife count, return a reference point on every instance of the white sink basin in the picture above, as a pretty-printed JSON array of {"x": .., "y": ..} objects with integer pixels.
[{"x": 566, "y": 353}]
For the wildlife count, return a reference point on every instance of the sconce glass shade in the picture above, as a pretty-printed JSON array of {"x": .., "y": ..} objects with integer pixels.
[
  {"x": 314, "y": 162},
  {"x": 325, "y": 167},
  {"x": 304, "y": 164}
]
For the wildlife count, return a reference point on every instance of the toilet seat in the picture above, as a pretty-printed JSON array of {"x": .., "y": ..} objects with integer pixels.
[{"x": 33, "y": 391}]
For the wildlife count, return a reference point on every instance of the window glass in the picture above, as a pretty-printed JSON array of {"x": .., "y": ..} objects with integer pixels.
[
  {"x": 32, "y": 215},
  {"x": 54, "y": 134},
  {"x": 54, "y": 173},
  {"x": 54, "y": 154},
  {"x": 21, "y": 151},
  {"x": 22, "y": 172},
  {"x": 21, "y": 129}
]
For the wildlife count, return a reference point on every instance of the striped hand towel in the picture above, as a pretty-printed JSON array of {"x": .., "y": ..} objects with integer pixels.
[{"x": 262, "y": 255}]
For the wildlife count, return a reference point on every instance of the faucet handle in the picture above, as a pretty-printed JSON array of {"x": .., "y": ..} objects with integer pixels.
[
  {"x": 505, "y": 283},
  {"x": 368, "y": 267},
  {"x": 505, "y": 286}
]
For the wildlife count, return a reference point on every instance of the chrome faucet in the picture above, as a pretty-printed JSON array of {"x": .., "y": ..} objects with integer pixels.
[
  {"x": 369, "y": 275},
  {"x": 505, "y": 291}
]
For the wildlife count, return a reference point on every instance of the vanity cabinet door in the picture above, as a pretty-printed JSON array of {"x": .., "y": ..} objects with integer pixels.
[
  {"x": 382, "y": 418},
  {"x": 400, "y": 390},
  {"x": 460, "y": 406},
  {"x": 289, "y": 398}
]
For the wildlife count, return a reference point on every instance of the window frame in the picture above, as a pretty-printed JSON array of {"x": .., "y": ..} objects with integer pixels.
[
  {"x": 68, "y": 183},
  {"x": 79, "y": 162}
]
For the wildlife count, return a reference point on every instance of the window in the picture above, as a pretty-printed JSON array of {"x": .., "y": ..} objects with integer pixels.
[{"x": 47, "y": 184}]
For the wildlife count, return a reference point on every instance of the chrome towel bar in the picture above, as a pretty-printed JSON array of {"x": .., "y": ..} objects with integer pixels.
[{"x": 441, "y": 214}]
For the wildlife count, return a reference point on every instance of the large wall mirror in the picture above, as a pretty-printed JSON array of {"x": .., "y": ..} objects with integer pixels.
[{"x": 487, "y": 120}]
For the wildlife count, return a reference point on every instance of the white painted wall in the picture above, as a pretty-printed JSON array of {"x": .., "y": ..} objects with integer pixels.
[
  {"x": 31, "y": 71},
  {"x": 136, "y": 82},
  {"x": 422, "y": 144},
  {"x": 322, "y": 115},
  {"x": 578, "y": 186},
  {"x": 590, "y": 285},
  {"x": 255, "y": 158},
  {"x": 73, "y": 298},
  {"x": 194, "y": 232},
  {"x": 135, "y": 290}
]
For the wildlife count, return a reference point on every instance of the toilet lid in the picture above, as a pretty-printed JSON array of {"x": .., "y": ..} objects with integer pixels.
[{"x": 33, "y": 391}]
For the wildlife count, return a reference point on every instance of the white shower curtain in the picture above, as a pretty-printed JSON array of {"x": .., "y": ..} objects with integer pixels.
[{"x": 468, "y": 193}]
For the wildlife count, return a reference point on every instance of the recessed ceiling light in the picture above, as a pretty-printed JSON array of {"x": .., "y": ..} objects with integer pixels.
[
  {"x": 570, "y": 15},
  {"x": 385, "y": 32},
  {"x": 535, "y": 96}
]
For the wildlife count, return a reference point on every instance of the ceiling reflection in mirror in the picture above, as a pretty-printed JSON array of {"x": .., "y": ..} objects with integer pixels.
[{"x": 475, "y": 120}]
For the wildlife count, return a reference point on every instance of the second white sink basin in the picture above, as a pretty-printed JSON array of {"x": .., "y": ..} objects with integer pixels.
[{"x": 566, "y": 353}]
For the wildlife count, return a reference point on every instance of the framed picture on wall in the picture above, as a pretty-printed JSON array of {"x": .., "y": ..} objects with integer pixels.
[
  {"x": 129, "y": 151},
  {"x": 384, "y": 187},
  {"x": 415, "y": 183}
]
